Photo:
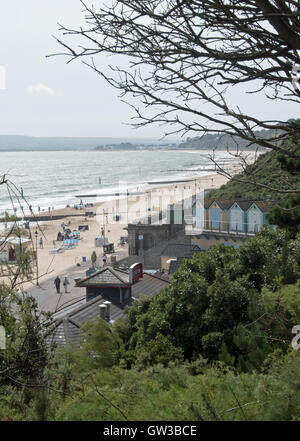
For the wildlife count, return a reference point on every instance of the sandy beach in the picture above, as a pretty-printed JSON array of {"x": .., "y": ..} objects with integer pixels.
[{"x": 130, "y": 209}]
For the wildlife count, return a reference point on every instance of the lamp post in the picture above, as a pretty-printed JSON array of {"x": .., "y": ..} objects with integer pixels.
[
  {"x": 36, "y": 258},
  {"x": 103, "y": 222}
]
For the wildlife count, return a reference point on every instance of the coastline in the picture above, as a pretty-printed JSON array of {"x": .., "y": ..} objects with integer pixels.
[
  {"x": 51, "y": 265},
  {"x": 54, "y": 180},
  {"x": 132, "y": 208}
]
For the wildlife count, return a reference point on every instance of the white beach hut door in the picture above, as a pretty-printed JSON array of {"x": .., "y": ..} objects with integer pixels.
[
  {"x": 254, "y": 220},
  {"x": 236, "y": 219}
]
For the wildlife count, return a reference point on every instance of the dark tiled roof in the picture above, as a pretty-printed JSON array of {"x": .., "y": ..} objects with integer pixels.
[
  {"x": 224, "y": 204},
  {"x": 105, "y": 276},
  {"x": 175, "y": 264},
  {"x": 148, "y": 285},
  {"x": 67, "y": 328},
  {"x": 69, "y": 319},
  {"x": 208, "y": 202},
  {"x": 244, "y": 205},
  {"x": 265, "y": 206},
  {"x": 180, "y": 250}
]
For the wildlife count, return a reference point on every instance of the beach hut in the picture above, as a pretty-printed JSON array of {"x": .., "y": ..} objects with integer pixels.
[
  {"x": 237, "y": 216},
  {"x": 207, "y": 203},
  {"x": 265, "y": 207},
  {"x": 255, "y": 218},
  {"x": 225, "y": 205},
  {"x": 214, "y": 215},
  {"x": 199, "y": 214}
]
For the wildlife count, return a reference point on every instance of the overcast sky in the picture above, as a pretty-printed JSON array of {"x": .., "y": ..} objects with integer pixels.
[{"x": 46, "y": 97}]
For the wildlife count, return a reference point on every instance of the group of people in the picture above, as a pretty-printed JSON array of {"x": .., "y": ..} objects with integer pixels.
[
  {"x": 66, "y": 281},
  {"x": 57, "y": 283},
  {"x": 94, "y": 258},
  {"x": 39, "y": 209},
  {"x": 62, "y": 236}
]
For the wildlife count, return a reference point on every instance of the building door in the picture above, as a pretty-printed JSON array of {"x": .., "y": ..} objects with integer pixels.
[
  {"x": 215, "y": 218},
  {"x": 254, "y": 220},
  {"x": 236, "y": 219}
]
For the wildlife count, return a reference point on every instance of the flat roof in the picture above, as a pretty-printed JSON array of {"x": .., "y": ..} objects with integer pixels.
[{"x": 17, "y": 240}]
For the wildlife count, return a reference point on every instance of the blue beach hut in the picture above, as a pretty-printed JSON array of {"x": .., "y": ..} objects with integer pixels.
[{"x": 215, "y": 215}]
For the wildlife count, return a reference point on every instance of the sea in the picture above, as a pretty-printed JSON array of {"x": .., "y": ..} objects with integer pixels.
[{"x": 53, "y": 178}]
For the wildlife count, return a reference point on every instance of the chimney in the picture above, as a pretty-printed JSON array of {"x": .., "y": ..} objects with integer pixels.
[
  {"x": 168, "y": 264},
  {"x": 103, "y": 309},
  {"x": 107, "y": 305},
  {"x": 113, "y": 261}
]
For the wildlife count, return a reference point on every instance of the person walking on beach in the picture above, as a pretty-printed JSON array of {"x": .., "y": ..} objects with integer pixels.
[
  {"x": 66, "y": 283},
  {"x": 57, "y": 284},
  {"x": 94, "y": 259},
  {"x": 41, "y": 243}
]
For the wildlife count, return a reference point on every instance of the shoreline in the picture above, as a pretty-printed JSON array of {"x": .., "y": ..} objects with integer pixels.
[
  {"x": 131, "y": 208},
  {"x": 109, "y": 188}
]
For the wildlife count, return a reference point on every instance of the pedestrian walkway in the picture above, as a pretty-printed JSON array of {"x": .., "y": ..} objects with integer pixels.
[{"x": 46, "y": 296}]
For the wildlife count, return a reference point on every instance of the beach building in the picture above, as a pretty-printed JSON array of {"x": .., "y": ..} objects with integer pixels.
[
  {"x": 175, "y": 264},
  {"x": 211, "y": 213},
  {"x": 108, "y": 292},
  {"x": 255, "y": 218},
  {"x": 237, "y": 216},
  {"x": 228, "y": 221},
  {"x": 195, "y": 225},
  {"x": 215, "y": 215},
  {"x": 13, "y": 247},
  {"x": 256, "y": 215},
  {"x": 143, "y": 237},
  {"x": 173, "y": 252}
]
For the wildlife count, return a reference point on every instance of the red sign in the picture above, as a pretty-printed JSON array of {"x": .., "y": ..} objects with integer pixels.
[{"x": 135, "y": 272}]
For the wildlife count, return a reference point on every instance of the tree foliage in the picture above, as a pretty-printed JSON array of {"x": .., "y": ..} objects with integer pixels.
[{"x": 212, "y": 301}]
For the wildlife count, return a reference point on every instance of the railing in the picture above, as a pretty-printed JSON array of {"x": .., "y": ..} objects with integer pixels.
[{"x": 237, "y": 228}]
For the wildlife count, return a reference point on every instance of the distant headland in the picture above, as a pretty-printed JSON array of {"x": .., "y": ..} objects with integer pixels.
[{"x": 10, "y": 143}]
